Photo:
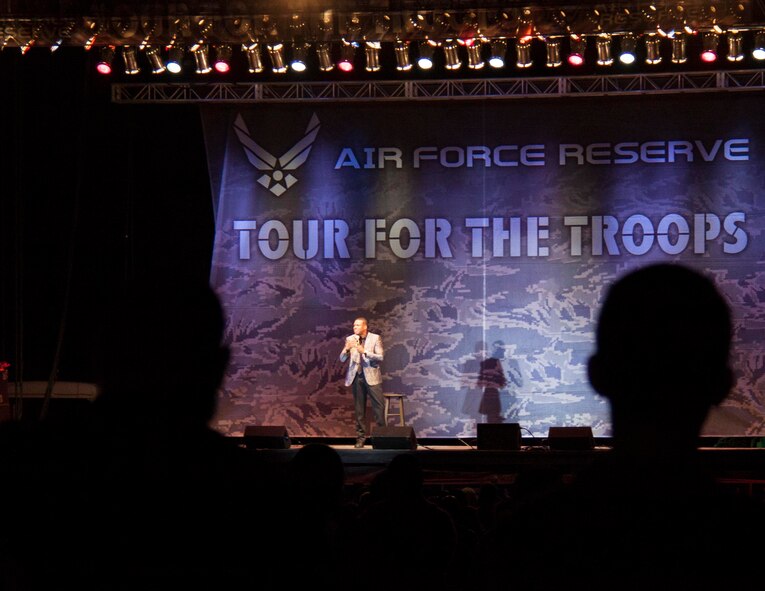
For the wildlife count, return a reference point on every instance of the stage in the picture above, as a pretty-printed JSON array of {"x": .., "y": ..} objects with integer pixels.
[
  {"x": 451, "y": 461},
  {"x": 459, "y": 462}
]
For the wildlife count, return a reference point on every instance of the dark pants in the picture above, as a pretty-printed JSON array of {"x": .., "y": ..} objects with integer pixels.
[{"x": 360, "y": 392}]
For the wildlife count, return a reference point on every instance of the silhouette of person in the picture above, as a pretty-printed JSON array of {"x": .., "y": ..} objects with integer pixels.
[
  {"x": 319, "y": 517},
  {"x": 163, "y": 362},
  {"x": 141, "y": 493},
  {"x": 647, "y": 514},
  {"x": 402, "y": 527}
]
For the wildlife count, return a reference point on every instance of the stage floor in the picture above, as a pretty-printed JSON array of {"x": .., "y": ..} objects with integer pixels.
[{"x": 458, "y": 462}]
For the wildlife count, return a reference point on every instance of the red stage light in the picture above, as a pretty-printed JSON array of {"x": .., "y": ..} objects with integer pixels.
[
  {"x": 345, "y": 66},
  {"x": 104, "y": 65},
  {"x": 576, "y": 56},
  {"x": 708, "y": 56}
]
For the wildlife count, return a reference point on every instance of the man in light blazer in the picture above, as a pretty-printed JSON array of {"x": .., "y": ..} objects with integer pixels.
[{"x": 365, "y": 350}]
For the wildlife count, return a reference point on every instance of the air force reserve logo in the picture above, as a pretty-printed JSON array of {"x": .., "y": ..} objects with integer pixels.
[{"x": 274, "y": 178}]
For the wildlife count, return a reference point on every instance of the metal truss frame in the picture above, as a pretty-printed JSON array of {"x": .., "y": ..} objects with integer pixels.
[{"x": 429, "y": 90}]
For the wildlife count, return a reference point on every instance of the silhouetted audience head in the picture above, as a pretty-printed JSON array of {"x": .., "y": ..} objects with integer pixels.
[
  {"x": 404, "y": 476},
  {"x": 663, "y": 344},
  {"x": 317, "y": 476},
  {"x": 161, "y": 352}
]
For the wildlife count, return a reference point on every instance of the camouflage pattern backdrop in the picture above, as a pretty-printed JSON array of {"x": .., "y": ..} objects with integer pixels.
[{"x": 477, "y": 238}]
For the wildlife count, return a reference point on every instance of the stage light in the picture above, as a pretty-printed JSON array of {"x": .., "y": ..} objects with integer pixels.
[
  {"x": 254, "y": 59},
  {"x": 652, "y": 50},
  {"x": 709, "y": 47},
  {"x": 678, "y": 50},
  {"x": 576, "y": 53},
  {"x": 372, "y": 55},
  {"x": 25, "y": 47},
  {"x": 603, "y": 46},
  {"x": 299, "y": 55},
  {"x": 498, "y": 49},
  {"x": 325, "y": 57},
  {"x": 88, "y": 42},
  {"x": 451, "y": 55},
  {"x": 627, "y": 49},
  {"x": 758, "y": 52},
  {"x": 104, "y": 65},
  {"x": 175, "y": 60},
  {"x": 201, "y": 55},
  {"x": 347, "y": 53},
  {"x": 553, "y": 53},
  {"x": 425, "y": 59},
  {"x": 735, "y": 46},
  {"x": 130, "y": 57},
  {"x": 276, "y": 53},
  {"x": 222, "y": 59},
  {"x": 474, "y": 49},
  {"x": 401, "y": 49},
  {"x": 154, "y": 55},
  {"x": 523, "y": 49}
]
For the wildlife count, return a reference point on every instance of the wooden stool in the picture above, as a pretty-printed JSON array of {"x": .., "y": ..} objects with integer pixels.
[{"x": 398, "y": 399}]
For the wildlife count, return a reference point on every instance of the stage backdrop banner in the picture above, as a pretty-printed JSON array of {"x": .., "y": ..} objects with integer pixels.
[{"x": 477, "y": 238}]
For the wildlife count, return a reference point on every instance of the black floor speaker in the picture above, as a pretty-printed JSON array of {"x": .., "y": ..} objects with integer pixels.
[
  {"x": 394, "y": 437},
  {"x": 504, "y": 436},
  {"x": 266, "y": 437},
  {"x": 570, "y": 438}
]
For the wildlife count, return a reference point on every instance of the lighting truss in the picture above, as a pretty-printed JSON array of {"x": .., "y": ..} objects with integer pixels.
[{"x": 428, "y": 90}]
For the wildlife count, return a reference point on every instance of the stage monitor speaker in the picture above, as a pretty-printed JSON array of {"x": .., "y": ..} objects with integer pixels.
[
  {"x": 393, "y": 437},
  {"x": 503, "y": 436},
  {"x": 570, "y": 438},
  {"x": 266, "y": 437}
]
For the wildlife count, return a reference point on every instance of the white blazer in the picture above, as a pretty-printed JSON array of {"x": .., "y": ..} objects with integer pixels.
[{"x": 370, "y": 361}]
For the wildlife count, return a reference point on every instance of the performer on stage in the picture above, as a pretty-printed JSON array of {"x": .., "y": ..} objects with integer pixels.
[{"x": 365, "y": 350}]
